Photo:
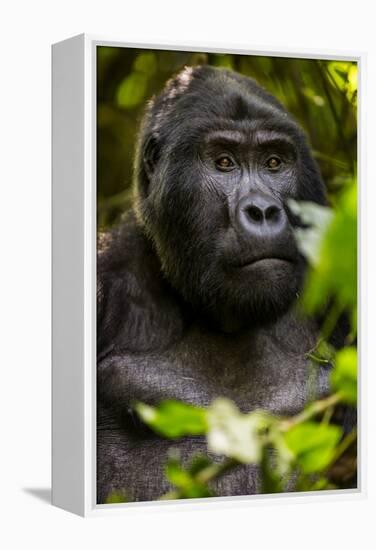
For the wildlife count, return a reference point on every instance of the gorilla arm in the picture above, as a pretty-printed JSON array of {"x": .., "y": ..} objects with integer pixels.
[{"x": 137, "y": 310}]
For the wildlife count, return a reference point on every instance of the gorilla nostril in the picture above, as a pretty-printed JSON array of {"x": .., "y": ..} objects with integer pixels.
[
  {"x": 255, "y": 213},
  {"x": 272, "y": 213},
  {"x": 258, "y": 213}
]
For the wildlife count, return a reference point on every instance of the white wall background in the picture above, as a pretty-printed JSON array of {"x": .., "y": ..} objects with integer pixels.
[{"x": 27, "y": 30}]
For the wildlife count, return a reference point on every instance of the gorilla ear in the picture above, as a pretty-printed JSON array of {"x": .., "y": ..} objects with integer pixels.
[{"x": 150, "y": 154}]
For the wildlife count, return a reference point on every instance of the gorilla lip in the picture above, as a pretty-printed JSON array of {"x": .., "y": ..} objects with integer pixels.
[{"x": 253, "y": 261}]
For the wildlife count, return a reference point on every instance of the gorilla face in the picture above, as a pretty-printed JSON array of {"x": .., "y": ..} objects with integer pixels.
[{"x": 217, "y": 160}]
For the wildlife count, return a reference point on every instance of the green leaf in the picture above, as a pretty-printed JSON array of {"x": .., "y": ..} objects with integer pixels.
[
  {"x": 317, "y": 218},
  {"x": 223, "y": 60},
  {"x": 197, "y": 490},
  {"x": 234, "y": 434},
  {"x": 352, "y": 84},
  {"x": 116, "y": 497},
  {"x": 184, "y": 479},
  {"x": 344, "y": 375},
  {"x": 313, "y": 482},
  {"x": 322, "y": 484},
  {"x": 174, "y": 418},
  {"x": 313, "y": 444},
  {"x": 146, "y": 62},
  {"x": 339, "y": 71},
  {"x": 176, "y": 474},
  {"x": 199, "y": 463},
  {"x": 132, "y": 90},
  {"x": 345, "y": 76},
  {"x": 283, "y": 457},
  {"x": 334, "y": 274}
]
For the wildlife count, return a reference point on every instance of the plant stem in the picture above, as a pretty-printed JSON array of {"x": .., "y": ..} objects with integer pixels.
[
  {"x": 312, "y": 410},
  {"x": 344, "y": 445},
  {"x": 327, "y": 415},
  {"x": 211, "y": 472},
  {"x": 331, "y": 321},
  {"x": 216, "y": 470}
]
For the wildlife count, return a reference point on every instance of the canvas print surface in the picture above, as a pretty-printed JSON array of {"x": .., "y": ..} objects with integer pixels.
[{"x": 226, "y": 274}]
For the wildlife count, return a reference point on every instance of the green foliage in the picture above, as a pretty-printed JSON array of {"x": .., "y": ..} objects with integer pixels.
[
  {"x": 132, "y": 90},
  {"x": 174, "y": 418},
  {"x": 187, "y": 480},
  {"x": 317, "y": 218},
  {"x": 313, "y": 445},
  {"x": 335, "y": 273},
  {"x": 146, "y": 63},
  {"x": 344, "y": 375},
  {"x": 323, "y": 353},
  {"x": 279, "y": 445},
  {"x": 117, "y": 497},
  {"x": 345, "y": 78},
  {"x": 234, "y": 434}
]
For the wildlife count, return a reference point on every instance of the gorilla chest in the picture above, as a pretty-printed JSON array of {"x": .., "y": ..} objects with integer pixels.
[{"x": 266, "y": 369}]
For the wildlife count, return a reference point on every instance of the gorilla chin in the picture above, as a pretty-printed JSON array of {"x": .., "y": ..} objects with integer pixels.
[{"x": 256, "y": 293}]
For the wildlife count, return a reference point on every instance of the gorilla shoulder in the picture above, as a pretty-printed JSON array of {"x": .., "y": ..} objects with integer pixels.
[{"x": 136, "y": 308}]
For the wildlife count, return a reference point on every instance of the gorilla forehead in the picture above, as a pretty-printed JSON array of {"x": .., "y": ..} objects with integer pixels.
[{"x": 204, "y": 98}]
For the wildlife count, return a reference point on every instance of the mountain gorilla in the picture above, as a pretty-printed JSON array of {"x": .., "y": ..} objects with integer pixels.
[{"x": 196, "y": 287}]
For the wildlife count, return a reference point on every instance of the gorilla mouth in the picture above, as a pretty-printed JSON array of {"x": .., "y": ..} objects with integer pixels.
[{"x": 263, "y": 259}]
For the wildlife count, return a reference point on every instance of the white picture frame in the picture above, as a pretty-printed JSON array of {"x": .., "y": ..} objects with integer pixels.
[{"x": 74, "y": 277}]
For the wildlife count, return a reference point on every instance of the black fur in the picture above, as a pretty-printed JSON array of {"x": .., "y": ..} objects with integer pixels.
[{"x": 195, "y": 293}]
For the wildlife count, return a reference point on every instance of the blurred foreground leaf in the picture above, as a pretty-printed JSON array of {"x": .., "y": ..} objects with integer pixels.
[
  {"x": 313, "y": 444},
  {"x": 174, "y": 418},
  {"x": 330, "y": 245},
  {"x": 117, "y": 497},
  {"x": 186, "y": 480},
  {"x": 234, "y": 434},
  {"x": 344, "y": 375},
  {"x": 317, "y": 218},
  {"x": 335, "y": 275}
]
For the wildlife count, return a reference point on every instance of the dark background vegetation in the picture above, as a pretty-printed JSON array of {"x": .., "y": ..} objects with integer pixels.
[{"x": 320, "y": 94}]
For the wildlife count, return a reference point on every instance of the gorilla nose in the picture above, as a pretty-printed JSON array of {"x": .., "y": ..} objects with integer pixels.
[{"x": 260, "y": 214}]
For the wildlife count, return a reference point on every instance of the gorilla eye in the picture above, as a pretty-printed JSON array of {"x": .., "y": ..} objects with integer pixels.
[
  {"x": 273, "y": 163},
  {"x": 224, "y": 163}
]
